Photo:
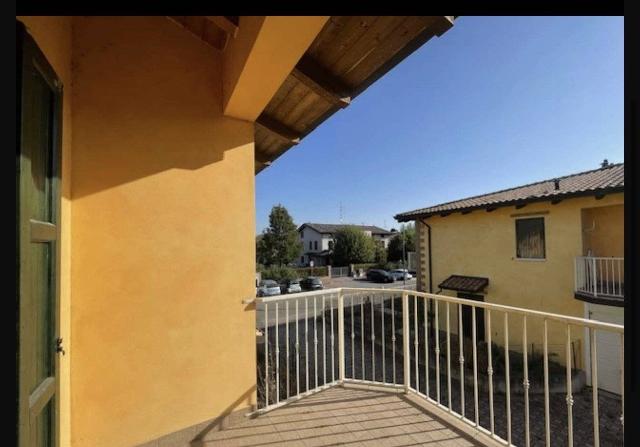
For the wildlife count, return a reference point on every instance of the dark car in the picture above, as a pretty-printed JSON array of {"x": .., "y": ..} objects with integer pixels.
[
  {"x": 379, "y": 275},
  {"x": 311, "y": 283}
]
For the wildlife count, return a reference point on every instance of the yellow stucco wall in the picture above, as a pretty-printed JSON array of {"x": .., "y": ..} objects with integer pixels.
[
  {"x": 53, "y": 36},
  {"x": 484, "y": 244},
  {"x": 163, "y": 235},
  {"x": 163, "y": 253},
  {"x": 603, "y": 230}
]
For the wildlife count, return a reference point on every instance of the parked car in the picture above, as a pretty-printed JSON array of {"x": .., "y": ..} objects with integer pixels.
[
  {"x": 290, "y": 286},
  {"x": 400, "y": 274},
  {"x": 311, "y": 283},
  {"x": 379, "y": 275},
  {"x": 268, "y": 287}
]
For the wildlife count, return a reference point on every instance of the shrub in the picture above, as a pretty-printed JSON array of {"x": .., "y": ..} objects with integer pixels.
[
  {"x": 312, "y": 271},
  {"x": 278, "y": 273}
]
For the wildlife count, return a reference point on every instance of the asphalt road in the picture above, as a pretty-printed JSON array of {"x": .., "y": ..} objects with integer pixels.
[{"x": 328, "y": 303}]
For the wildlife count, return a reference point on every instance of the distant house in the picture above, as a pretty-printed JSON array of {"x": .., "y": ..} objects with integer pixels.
[
  {"x": 318, "y": 239},
  {"x": 555, "y": 246}
]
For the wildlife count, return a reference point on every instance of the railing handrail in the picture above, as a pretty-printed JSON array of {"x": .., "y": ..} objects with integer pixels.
[
  {"x": 615, "y": 258},
  {"x": 481, "y": 304},
  {"x": 341, "y": 300}
]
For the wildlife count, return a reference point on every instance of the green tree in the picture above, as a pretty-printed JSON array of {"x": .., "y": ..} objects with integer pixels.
[
  {"x": 279, "y": 244},
  {"x": 380, "y": 256},
  {"x": 394, "y": 250},
  {"x": 352, "y": 246}
]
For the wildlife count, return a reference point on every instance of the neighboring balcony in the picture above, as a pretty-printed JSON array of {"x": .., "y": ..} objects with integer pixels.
[
  {"x": 399, "y": 367},
  {"x": 600, "y": 280}
]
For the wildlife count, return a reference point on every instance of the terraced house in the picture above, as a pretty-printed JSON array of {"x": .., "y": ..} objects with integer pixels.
[{"x": 554, "y": 246}]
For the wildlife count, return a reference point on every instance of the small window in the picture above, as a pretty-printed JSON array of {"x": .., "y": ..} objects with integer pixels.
[
  {"x": 530, "y": 238},
  {"x": 301, "y": 259},
  {"x": 315, "y": 245},
  {"x": 310, "y": 245}
]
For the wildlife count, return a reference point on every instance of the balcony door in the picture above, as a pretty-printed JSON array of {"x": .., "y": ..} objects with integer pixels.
[{"x": 37, "y": 228}]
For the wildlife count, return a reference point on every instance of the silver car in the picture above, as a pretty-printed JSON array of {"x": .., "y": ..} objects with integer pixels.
[
  {"x": 268, "y": 287},
  {"x": 400, "y": 274},
  {"x": 290, "y": 286}
]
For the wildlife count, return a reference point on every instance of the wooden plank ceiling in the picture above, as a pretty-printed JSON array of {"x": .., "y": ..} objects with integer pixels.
[{"x": 349, "y": 54}]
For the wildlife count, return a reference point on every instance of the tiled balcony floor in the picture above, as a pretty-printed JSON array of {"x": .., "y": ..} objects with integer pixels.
[{"x": 348, "y": 416}]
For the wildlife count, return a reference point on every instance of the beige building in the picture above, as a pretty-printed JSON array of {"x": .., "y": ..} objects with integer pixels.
[{"x": 555, "y": 246}]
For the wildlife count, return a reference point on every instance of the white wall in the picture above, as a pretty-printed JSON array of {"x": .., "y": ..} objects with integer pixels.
[{"x": 326, "y": 238}]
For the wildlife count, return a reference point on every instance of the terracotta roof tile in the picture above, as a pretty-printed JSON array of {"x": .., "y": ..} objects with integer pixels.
[
  {"x": 464, "y": 283},
  {"x": 605, "y": 179}
]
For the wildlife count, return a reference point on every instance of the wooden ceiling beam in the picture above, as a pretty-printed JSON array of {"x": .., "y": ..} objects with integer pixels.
[
  {"x": 323, "y": 83},
  {"x": 277, "y": 129}
]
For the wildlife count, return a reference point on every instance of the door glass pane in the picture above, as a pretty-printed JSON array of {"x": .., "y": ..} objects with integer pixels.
[
  {"x": 39, "y": 147},
  {"x": 42, "y": 287}
]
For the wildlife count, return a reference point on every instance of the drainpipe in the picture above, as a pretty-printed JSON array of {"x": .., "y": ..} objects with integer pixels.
[
  {"x": 430, "y": 275},
  {"x": 430, "y": 270}
]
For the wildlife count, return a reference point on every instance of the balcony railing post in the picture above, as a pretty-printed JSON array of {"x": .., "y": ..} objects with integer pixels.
[
  {"x": 594, "y": 279},
  {"x": 575, "y": 274},
  {"x": 405, "y": 341},
  {"x": 341, "y": 352}
]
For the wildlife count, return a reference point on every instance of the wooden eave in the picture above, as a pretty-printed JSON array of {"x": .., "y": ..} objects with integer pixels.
[{"x": 347, "y": 56}]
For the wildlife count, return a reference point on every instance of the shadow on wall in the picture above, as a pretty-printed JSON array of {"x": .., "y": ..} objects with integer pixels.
[
  {"x": 147, "y": 98},
  {"x": 196, "y": 435},
  {"x": 222, "y": 421}
]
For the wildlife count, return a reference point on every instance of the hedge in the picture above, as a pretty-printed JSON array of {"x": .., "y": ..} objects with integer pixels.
[{"x": 278, "y": 273}]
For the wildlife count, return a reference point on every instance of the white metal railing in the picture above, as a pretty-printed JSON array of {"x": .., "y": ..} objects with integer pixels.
[
  {"x": 357, "y": 329},
  {"x": 600, "y": 276},
  {"x": 338, "y": 272}
]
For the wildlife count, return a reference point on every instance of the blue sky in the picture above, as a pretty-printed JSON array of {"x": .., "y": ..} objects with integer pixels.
[{"x": 495, "y": 102}]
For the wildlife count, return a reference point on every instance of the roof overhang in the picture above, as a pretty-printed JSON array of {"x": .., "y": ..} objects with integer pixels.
[
  {"x": 518, "y": 203},
  {"x": 344, "y": 59}
]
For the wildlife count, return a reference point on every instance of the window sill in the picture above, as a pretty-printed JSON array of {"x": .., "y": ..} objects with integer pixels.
[{"x": 530, "y": 259}]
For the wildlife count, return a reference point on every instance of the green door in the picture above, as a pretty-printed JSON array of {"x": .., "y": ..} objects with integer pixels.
[{"x": 37, "y": 226}]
